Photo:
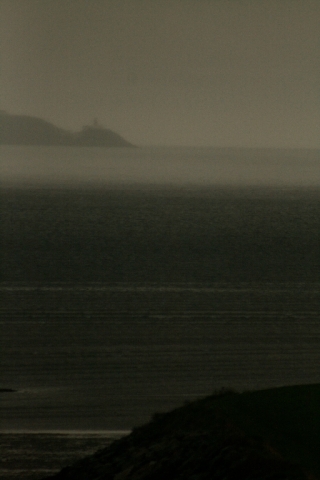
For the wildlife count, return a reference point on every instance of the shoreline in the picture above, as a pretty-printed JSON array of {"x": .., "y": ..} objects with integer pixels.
[
  {"x": 65, "y": 432},
  {"x": 35, "y": 455},
  {"x": 285, "y": 419},
  {"x": 273, "y": 430}
]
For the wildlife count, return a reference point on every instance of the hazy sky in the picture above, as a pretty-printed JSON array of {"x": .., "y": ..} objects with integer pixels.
[{"x": 170, "y": 72}]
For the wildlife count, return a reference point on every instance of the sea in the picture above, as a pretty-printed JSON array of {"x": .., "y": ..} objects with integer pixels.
[{"x": 134, "y": 280}]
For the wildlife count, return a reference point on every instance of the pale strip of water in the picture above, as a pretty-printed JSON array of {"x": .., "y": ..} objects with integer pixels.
[{"x": 158, "y": 166}]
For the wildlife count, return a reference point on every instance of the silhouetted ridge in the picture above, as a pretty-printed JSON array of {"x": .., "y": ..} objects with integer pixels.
[
  {"x": 228, "y": 436},
  {"x": 26, "y": 130}
]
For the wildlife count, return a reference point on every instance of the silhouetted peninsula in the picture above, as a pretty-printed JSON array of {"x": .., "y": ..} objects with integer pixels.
[{"x": 26, "y": 130}]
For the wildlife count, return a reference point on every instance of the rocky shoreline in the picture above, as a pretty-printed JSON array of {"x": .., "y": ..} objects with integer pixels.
[{"x": 198, "y": 441}]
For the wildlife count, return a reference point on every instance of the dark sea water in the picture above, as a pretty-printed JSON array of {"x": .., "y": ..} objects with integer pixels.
[
  {"x": 32, "y": 456},
  {"x": 118, "y": 301}
]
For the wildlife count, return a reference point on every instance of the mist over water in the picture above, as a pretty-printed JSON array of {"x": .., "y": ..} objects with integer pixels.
[{"x": 156, "y": 166}]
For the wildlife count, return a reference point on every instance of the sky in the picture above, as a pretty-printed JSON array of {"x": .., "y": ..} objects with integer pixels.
[{"x": 167, "y": 72}]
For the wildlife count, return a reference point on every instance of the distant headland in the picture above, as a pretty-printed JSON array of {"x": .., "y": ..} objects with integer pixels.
[{"x": 27, "y": 130}]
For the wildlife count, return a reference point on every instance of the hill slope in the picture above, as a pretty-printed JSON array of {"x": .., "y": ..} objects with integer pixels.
[
  {"x": 265, "y": 434},
  {"x": 26, "y": 130}
]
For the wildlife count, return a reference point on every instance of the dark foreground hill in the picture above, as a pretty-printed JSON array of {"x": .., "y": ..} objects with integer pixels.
[
  {"x": 271, "y": 434},
  {"x": 26, "y": 130}
]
